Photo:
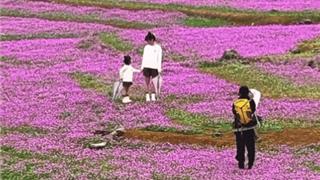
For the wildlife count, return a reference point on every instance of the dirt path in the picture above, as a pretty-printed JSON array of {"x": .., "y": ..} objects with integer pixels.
[{"x": 290, "y": 137}]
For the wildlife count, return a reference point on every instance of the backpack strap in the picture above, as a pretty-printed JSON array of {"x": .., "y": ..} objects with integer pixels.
[{"x": 242, "y": 129}]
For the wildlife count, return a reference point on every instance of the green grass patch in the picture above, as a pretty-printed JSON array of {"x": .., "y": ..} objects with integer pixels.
[
  {"x": 177, "y": 57},
  {"x": 15, "y": 37},
  {"x": 120, "y": 23},
  {"x": 15, "y": 157},
  {"x": 139, "y": 50},
  {"x": 12, "y": 156},
  {"x": 182, "y": 99},
  {"x": 59, "y": 16},
  {"x": 238, "y": 17},
  {"x": 202, "y": 124},
  {"x": 281, "y": 124},
  {"x": 6, "y": 59},
  {"x": 97, "y": 84},
  {"x": 199, "y": 123},
  {"x": 13, "y": 152},
  {"x": 307, "y": 150},
  {"x": 304, "y": 50},
  {"x": 85, "y": 44},
  {"x": 156, "y": 128},
  {"x": 25, "y": 129},
  {"x": 89, "y": 81},
  {"x": 15, "y": 62},
  {"x": 160, "y": 176},
  {"x": 313, "y": 166},
  {"x": 308, "y": 47},
  {"x": 112, "y": 40},
  {"x": 270, "y": 85},
  {"x": 27, "y": 173},
  {"x": 205, "y": 22}
]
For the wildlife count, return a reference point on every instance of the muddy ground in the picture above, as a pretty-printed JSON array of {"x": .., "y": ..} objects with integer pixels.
[{"x": 290, "y": 137}]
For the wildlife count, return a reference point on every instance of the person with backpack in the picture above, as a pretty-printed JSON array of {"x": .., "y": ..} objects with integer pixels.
[
  {"x": 244, "y": 124},
  {"x": 151, "y": 64}
]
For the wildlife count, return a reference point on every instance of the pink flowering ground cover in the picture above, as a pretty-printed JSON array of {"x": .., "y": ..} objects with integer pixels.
[
  {"x": 145, "y": 161},
  {"x": 210, "y": 43},
  {"x": 17, "y": 25},
  {"x": 264, "y": 5},
  {"x": 269, "y": 109},
  {"x": 46, "y": 97},
  {"x": 149, "y": 16},
  {"x": 55, "y": 94},
  {"x": 297, "y": 71},
  {"x": 51, "y": 84},
  {"x": 189, "y": 81}
]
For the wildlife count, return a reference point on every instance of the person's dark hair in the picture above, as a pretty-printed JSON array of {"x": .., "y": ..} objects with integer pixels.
[
  {"x": 244, "y": 91},
  {"x": 127, "y": 60},
  {"x": 150, "y": 37}
]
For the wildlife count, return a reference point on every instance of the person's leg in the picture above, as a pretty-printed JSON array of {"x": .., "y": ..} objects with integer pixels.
[
  {"x": 154, "y": 74},
  {"x": 147, "y": 81},
  {"x": 250, "y": 144},
  {"x": 147, "y": 78},
  {"x": 240, "y": 150},
  {"x": 126, "y": 90},
  {"x": 125, "y": 94}
]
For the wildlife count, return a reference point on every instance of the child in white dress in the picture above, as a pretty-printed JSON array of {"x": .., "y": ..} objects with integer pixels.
[{"x": 126, "y": 76}]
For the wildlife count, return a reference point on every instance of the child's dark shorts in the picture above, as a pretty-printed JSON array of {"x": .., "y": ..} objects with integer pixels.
[
  {"x": 126, "y": 84},
  {"x": 148, "y": 72}
]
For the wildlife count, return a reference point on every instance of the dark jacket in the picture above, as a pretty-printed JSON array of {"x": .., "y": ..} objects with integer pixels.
[{"x": 237, "y": 123}]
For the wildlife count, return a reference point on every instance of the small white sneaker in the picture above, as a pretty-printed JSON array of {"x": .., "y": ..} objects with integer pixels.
[
  {"x": 147, "y": 97},
  {"x": 126, "y": 100},
  {"x": 153, "y": 97}
]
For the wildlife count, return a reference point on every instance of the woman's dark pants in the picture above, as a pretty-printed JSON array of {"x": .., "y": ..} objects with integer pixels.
[{"x": 245, "y": 139}]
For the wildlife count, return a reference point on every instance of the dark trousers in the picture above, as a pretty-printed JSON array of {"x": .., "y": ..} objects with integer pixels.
[{"x": 245, "y": 139}]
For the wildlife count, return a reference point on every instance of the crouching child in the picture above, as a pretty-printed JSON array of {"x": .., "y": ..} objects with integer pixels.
[{"x": 126, "y": 76}]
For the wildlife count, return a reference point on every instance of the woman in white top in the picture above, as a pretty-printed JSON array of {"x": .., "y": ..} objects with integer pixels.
[
  {"x": 151, "y": 63},
  {"x": 126, "y": 75}
]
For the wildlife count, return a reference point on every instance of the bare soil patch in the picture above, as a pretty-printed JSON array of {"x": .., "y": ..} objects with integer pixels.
[{"x": 290, "y": 137}]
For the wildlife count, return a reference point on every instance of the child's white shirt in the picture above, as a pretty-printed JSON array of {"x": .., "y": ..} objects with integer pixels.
[
  {"x": 126, "y": 73},
  {"x": 152, "y": 57}
]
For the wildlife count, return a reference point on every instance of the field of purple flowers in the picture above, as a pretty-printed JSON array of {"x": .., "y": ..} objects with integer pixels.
[
  {"x": 293, "y": 5},
  {"x": 59, "y": 60}
]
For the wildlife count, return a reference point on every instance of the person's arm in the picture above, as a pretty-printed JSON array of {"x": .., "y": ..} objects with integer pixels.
[
  {"x": 135, "y": 70},
  {"x": 234, "y": 110},
  {"x": 253, "y": 106},
  {"x": 144, "y": 57},
  {"x": 121, "y": 72},
  {"x": 159, "y": 59},
  {"x": 235, "y": 122}
]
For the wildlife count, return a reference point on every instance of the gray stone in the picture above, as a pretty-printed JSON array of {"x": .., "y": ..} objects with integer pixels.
[
  {"x": 306, "y": 21},
  {"x": 274, "y": 11},
  {"x": 295, "y": 51},
  {"x": 230, "y": 54}
]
